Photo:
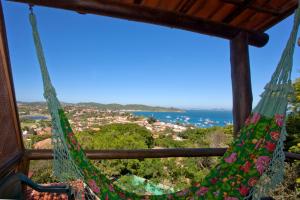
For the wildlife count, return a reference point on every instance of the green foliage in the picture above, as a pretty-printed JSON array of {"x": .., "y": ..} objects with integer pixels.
[
  {"x": 197, "y": 136},
  {"x": 292, "y": 142},
  {"x": 168, "y": 142},
  {"x": 293, "y": 129},
  {"x": 192, "y": 137},
  {"x": 293, "y": 120},
  {"x": 228, "y": 130},
  {"x": 45, "y": 123},
  {"x": 178, "y": 173},
  {"x": 151, "y": 120},
  {"x": 117, "y": 136},
  {"x": 296, "y": 101},
  {"x": 26, "y": 120},
  {"x": 42, "y": 171}
]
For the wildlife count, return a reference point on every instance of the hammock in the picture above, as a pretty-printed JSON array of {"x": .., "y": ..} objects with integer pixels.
[{"x": 251, "y": 166}]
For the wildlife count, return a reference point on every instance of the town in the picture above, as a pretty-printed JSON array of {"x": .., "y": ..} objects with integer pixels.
[{"x": 35, "y": 120}]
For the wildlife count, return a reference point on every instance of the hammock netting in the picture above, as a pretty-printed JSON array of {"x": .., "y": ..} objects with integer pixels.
[{"x": 252, "y": 165}]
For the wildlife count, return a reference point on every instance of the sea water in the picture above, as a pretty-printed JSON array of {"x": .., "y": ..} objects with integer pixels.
[{"x": 199, "y": 118}]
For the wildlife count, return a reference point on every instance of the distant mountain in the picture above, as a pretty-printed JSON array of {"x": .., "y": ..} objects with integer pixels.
[
  {"x": 113, "y": 106},
  {"x": 33, "y": 103}
]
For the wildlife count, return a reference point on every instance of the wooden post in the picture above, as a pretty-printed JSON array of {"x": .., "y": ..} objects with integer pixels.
[
  {"x": 11, "y": 143},
  {"x": 241, "y": 80}
]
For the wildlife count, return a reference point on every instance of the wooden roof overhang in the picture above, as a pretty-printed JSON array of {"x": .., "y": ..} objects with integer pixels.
[{"x": 221, "y": 18}]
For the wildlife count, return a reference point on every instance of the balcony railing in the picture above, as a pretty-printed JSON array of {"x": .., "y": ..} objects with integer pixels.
[{"x": 46, "y": 154}]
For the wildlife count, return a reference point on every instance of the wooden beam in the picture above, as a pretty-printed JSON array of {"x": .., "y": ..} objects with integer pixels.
[
  {"x": 11, "y": 143},
  {"x": 134, "y": 154},
  {"x": 137, "y": 1},
  {"x": 151, "y": 15},
  {"x": 47, "y": 154},
  {"x": 240, "y": 8},
  {"x": 274, "y": 12},
  {"x": 186, "y": 6},
  {"x": 241, "y": 80},
  {"x": 283, "y": 15}
]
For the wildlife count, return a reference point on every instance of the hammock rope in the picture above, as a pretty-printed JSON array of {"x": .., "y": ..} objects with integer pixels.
[
  {"x": 61, "y": 153},
  {"x": 275, "y": 100},
  {"x": 236, "y": 177}
]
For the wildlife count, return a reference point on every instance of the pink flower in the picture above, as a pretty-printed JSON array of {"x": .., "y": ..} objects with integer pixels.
[
  {"x": 213, "y": 180},
  {"x": 93, "y": 186},
  {"x": 242, "y": 143},
  {"x": 270, "y": 146},
  {"x": 248, "y": 121},
  {"x": 255, "y": 118},
  {"x": 246, "y": 167},
  {"x": 279, "y": 119},
  {"x": 231, "y": 158},
  {"x": 258, "y": 143},
  {"x": 122, "y": 195},
  {"x": 267, "y": 128},
  {"x": 202, "y": 191},
  {"x": 111, "y": 188},
  {"x": 71, "y": 134},
  {"x": 106, "y": 197},
  {"x": 252, "y": 182},
  {"x": 261, "y": 163},
  {"x": 73, "y": 141},
  {"x": 244, "y": 190},
  {"x": 275, "y": 135}
]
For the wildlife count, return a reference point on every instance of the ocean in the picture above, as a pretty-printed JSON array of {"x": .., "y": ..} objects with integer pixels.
[{"x": 199, "y": 118}]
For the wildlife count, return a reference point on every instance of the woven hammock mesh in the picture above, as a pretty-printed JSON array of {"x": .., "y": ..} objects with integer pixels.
[{"x": 274, "y": 100}]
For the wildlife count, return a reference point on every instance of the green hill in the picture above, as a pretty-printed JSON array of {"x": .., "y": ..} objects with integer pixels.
[{"x": 113, "y": 106}]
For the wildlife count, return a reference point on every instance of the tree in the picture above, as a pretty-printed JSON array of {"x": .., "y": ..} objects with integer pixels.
[
  {"x": 151, "y": 120},
  {"x": 295, "y": 100},
  {"x": 293, "y": 119},
  {"x": 292, "y": 143}
]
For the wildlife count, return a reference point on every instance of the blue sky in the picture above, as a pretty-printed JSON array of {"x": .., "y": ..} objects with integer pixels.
[{"x": 108, "y": 60}]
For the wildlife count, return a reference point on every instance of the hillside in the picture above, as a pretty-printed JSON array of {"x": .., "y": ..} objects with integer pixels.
[
  {"x": 138, "y": 107},
  {"x": 113, "y": 106}
]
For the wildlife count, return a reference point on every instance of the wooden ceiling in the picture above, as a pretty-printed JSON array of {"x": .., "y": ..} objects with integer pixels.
[
  {"x": 253, "y": 15},
  {"x": 221, "y": 18}
]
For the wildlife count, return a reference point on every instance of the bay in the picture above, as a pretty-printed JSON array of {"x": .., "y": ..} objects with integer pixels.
[{"x": 199, "y": 118}]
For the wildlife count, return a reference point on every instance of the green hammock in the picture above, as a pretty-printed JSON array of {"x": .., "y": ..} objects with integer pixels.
[{"x": 251, "y": 166}]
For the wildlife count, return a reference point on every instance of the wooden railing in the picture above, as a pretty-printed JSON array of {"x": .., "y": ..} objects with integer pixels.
[{"x": 46, "y": 154}]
